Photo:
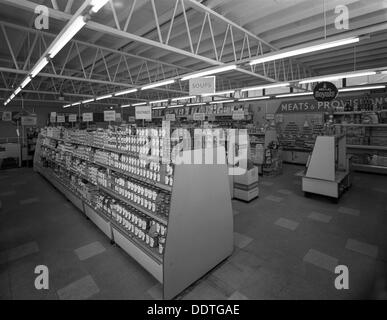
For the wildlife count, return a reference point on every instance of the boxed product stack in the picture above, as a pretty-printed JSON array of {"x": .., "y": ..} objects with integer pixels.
[
  {"x": 246, "y": 185},
  {"x": 273, "y": 162}
]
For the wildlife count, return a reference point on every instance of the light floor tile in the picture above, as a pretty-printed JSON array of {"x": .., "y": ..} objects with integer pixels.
[
  {"x": 19, "y": 252},
  {"x": 321, "y": 260},
  {"x": 299, "y": 173},
  {"x": 89, "y": 250},
  {"x": 156, "y": 292},
  {"x": 267, "y": 183},
  {"x": 29, "y": 201},
  {"x": 237, "y": 296},
  {"x": 285, "y": 192},
  {"x": 241, "y": 241},
  {"x": 274, "y": 198},
  {"x": 362, "y": 247},
  {"x": 205, "y": 291},
  {"x": 81, "y": 289},
  {"x": 287, "y": 224},
  {"x": 350, "y": 211},
  {"x": 320, "y": 217},
  {"x": 7, "y": 193}
]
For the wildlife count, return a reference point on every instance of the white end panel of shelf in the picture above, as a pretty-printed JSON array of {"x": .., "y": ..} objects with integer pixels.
[
  {"x": 322, "y": 164},
  {"x": 200, "y": 226}
]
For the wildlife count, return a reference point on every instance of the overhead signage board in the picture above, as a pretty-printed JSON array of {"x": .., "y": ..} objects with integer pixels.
[
  {"x": 118, "y": 117},
  {"x": 170, "y": 117},
  {"x": 28, "y": 120},
  {"x": 60, "y": 119},
  {"x": 238, "y": 115},
  {"x": 325, "y": 91},
  {"x": 87, "y": 117},
  {"x": 143, "y": 113},
  {"x": 72, "y": 118},
  {"x": 199, "y": 116},
  {"x": 199, "y": 86},
  {"x": 53, "y": 117},
  {"x": 7, "y": 116},
  {"x": 109, "y": 115},
  {"x": 211, "y": 117},
  {"x": 132, "y": 119},
  {"x": 311, "y": 105}
]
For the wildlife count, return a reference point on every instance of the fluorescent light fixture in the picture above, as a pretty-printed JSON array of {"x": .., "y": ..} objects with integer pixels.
[
  {"x": 158, "y": 101},
  {"x": 16, "y": 92},
  {"x": 183, "y": 98},
  {"x": 176, "y": 106},
  {"x": 267, "y": 86},
  {"x": 125, "y": 92},
  {"x": 361, "y": 88},
  {"x": 384, "y": 72},
  {"x": 88, "y": 100},
  {"x": 25, "y": 82},
  {"x": 297, "y": 94},
  {"x": 158, "y": 84},
  {"x": 155, "y": 108},
  {"x": 125, "y": 106},
  {"x": 254, "y": 98},
  {"x": 338, "y": 77},
  {"x": 220, "y": 93},
  {"x": 38, "y": 67},
  {"x": 66, "y": 36},
  {"x": 139, "y": 104},
  {"x": 11, "y": 97},
  {"x": 97, "y": 5},
  {"x": 196, "y": 104},
  {"x": 209, "y": 72},
  {"x": 104, "y": 97},
  {"x": 67, "y": 105},
  {"x": 313, "y": 48},
  {"x": 221, "y": 101},
  {"x": 76, "y": 103}
]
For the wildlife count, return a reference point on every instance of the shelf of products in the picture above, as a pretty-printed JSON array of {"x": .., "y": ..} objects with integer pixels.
[
  {"x": 367, "y": 145},
  {"x": 139, "y": 201}
]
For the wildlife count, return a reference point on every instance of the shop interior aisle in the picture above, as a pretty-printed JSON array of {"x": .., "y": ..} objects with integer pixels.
[{"x": 286, "y": 245}]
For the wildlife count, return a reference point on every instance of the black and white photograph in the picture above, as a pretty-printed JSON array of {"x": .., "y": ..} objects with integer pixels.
[{"x": 215, "y": 151}]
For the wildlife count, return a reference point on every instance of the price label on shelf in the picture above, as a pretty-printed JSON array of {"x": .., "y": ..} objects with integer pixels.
[
  {"x": 199, "y": 117},
  {"x": 60, "y": 119},
  {"x": 88, "y": 116},
  {"x": 72, "y": 118},
  {"x": 109, "y": 115}
]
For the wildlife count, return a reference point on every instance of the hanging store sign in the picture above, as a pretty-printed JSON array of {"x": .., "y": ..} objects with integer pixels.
[
  {"x": 7, "y": 116},
  {"x": 325, "y": 91},
  {"x": 28, "y": 120},
  {"x": 238, "y": 115},
  {"x": 88, "y": 116},
  {"x": 199, "y": 86},
  {"x": 53, "y": 117},
  {"x": 132, "y": 119},
  {"x": 109, "y": 115},
  {"x": 211, "y": 117},
  {"x": 60, "y": 119},
  {"x": 118, "y": 117},
  {"x": 144, "y": 113},
  {"x": 170, "y": 117},
  {"x": 199, "y": 116},
  {"x": 72, "y": 118}
]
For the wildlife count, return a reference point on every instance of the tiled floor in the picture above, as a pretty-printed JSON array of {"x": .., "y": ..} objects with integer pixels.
[{"x": 286, "y": 246}]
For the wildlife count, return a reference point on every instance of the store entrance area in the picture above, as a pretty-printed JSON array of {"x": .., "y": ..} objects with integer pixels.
[{"x": 286, "y": 246}]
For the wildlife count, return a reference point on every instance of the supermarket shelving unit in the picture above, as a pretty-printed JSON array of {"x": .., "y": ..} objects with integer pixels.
[
  {"x": 200, "y": 220},
  {"x": 361, "y": 149}
]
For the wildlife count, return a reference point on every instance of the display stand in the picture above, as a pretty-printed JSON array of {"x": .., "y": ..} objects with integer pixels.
[
  {"x": 328, "y": 168},
  {"x": 200, "y": 223}
]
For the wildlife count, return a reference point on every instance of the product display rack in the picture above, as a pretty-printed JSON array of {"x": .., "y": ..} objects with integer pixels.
[{"x": 198, "y": 230}]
